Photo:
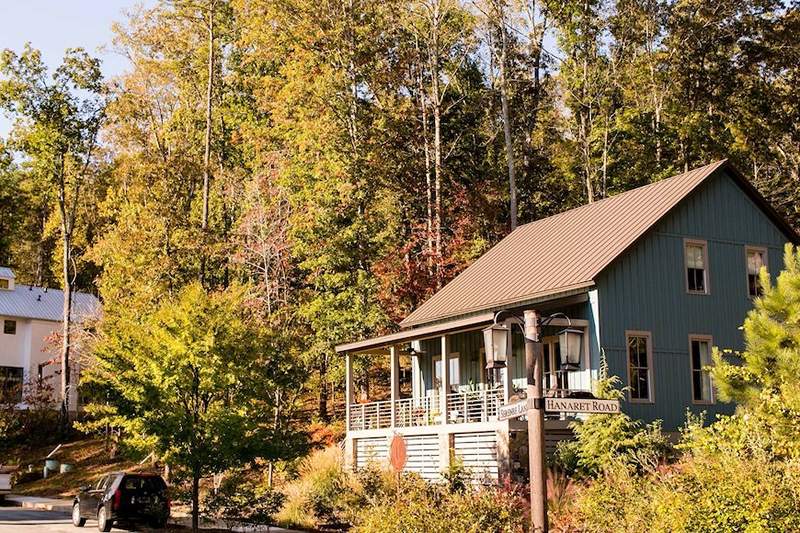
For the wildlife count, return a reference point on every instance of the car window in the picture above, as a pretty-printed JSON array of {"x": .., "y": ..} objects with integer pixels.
[
  {"x": 101, "y": 483},
  {"x": 149, "y": 483}
]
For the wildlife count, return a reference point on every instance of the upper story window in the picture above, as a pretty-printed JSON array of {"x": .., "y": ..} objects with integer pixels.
[
  {"x": 640, "y": 366},
  {"x": 756, "y": 258},
  {"x": 10, "y": 327},
  {"x": 696, "y": 255},
  {"x": 4, "y": 284},
  {"x": 700, "y": 353}
]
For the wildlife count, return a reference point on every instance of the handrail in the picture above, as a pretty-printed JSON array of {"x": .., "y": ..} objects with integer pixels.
[{"x": 462, "y": 407}]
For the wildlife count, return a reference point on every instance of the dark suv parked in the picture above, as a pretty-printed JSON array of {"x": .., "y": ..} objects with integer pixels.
[{"x": 124, "y": 500}]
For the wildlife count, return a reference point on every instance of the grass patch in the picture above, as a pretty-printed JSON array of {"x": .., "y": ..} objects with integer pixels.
[{"x": 88, "y": 456}]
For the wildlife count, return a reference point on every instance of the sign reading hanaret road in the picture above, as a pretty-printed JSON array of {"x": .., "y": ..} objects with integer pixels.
[
  {"x": 561, "y": 405},
  {"x": 581, "y": 405}
]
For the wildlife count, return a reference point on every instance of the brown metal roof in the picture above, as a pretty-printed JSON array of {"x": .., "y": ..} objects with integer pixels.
[{"x": 565, "y": 251}]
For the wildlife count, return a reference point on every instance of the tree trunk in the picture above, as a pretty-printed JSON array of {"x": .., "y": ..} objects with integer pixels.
[
  {"x": 512, "y": 184},
  {"x": 195, "y": 499},
  {"x": 423, "y": 106},
  {"x": 437, "y": 140},
  {"x": 323, "y": 391},
  {"x": 66, "y": 331},
  {"x": 66, "y": 258},
  {"x": 207, "y": 144}
]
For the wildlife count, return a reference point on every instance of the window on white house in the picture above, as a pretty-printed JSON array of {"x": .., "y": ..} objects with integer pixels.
[
  {"x": 640, "y": 367},
  {"x": 702, "y": 391},
  {"x": 756, "y": 258},
  {"x": 10, "y": 384},
  {"x": 4, "y": 283},
  {"x": 696, "y": 267},
  {"x": 10, "y": 327}
]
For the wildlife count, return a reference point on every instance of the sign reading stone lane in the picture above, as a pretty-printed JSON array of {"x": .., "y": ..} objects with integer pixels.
[
  {"x": 581, "y": 405},
  {"x": 512, "y": 410}
]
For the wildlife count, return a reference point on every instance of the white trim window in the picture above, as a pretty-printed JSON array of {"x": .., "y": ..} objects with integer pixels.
[
  {"x": 640, "y": 366},
  {"x": 756, "y": 258},
  {"x": 700, "y": 358},
  {"x": 696, "y": 262},
  {"x": 554, "y": 377},
  {"x": 454, "y": 371}
]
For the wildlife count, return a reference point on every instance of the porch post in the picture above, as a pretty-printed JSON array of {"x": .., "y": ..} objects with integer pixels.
[
  {"x": 348, "y": 396},
  {"x": 395, "y": 377},
  {"x": 445, "y": 386}
]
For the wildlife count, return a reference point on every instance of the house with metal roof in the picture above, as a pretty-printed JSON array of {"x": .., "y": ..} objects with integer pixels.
[
  {"x": 650, "y": 279},
  {"x": 31, "y": 318}
]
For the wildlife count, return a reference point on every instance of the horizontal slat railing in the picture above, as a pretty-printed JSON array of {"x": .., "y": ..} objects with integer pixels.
[
  {"x": 474, "y": 406},
  {"x": 374, "y": 415},
  {"x": 413, "y": 412},
  {"x": 462, "y": 407}
]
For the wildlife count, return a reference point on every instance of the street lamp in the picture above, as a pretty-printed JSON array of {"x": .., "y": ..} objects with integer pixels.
[
  {"x": 570, "y": 342},
  {"x": 495, "y": 345}
]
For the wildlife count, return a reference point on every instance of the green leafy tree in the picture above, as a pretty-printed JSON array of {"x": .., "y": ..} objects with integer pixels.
[
  {"x": 58, "y": 118},
  {"x": 194, "y": 382},
  {"x": 767, "y": 382}
]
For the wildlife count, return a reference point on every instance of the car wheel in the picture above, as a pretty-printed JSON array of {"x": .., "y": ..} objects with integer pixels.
[
  {"x": 77, "y": 519},
  {"x": 103, "y": 522},
  {"x": 158, "y": 524}
]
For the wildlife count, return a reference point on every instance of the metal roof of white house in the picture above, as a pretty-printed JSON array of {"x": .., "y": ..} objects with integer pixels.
[
  {"x": 40, "y": 304},
  {"x": 6, "y": 273}
]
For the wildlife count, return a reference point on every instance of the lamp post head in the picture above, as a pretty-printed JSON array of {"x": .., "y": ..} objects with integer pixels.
[
  {"x": 570, "y": 342},
  {"x": 495, "y": 344}
]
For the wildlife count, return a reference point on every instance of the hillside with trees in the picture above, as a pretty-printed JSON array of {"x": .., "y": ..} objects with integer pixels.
[{"x": 325, "y": 166}]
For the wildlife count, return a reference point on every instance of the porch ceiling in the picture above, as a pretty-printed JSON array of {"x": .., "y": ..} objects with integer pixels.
[{"x": 379, "y": 345}]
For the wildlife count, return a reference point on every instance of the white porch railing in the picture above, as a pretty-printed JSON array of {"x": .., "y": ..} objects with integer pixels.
[
  {"x": 462, "y": 407},
  {"x": 473, "y": 406},
  {"x": 374, "y": 415}
]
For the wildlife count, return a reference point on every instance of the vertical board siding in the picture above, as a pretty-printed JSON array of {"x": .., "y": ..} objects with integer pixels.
[
  {"x": 478, "y": 454},
  {"x": 645, "y": 289}
]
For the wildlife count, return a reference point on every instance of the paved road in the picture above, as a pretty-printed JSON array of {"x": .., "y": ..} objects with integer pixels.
[{"x": 19, "y": 520}]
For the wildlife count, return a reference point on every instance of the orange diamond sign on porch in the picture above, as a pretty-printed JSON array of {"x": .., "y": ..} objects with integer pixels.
[{"x": 397, "y": 453}]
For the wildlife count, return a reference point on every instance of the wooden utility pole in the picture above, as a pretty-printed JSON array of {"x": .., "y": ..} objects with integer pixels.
[{"x": 533, "y": 364}]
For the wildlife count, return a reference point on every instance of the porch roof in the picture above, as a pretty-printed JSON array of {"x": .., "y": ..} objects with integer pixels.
[
  {"x": 378, "y": 343},
  {"x": 544, "y": 302}
]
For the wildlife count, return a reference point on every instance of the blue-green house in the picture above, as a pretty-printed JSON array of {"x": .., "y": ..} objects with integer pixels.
[{"x": 653, "y": 278}]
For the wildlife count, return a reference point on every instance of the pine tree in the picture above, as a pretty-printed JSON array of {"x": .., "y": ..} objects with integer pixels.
[{"x": 767, "y": 382}]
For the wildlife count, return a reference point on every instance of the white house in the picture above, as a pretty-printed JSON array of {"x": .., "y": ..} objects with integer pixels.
[{"x": 30, "y": 318}]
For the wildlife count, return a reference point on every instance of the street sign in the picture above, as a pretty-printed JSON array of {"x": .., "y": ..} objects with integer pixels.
[
  {"x": 512, "y": 410},
  {"x": 581, "y": 405},
  {"x": 397, "y": 453}
]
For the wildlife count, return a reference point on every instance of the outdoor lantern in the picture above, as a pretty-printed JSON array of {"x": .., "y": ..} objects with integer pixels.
[
  {"x": 570, "y": 341},
  {"x": 495, "y": 342}
]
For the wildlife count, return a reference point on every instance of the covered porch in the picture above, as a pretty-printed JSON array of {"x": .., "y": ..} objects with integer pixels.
[{"x": 450, "y": 406}]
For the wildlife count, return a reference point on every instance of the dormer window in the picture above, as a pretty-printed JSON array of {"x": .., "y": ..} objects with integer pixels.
[{"x": 6, "y": 279}]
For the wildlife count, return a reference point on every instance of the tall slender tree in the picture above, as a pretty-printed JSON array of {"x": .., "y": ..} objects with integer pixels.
[{"x": 58, "y": 120}]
